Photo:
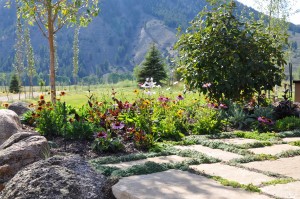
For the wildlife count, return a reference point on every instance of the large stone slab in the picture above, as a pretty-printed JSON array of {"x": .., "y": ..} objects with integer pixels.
[
  {"x": 175, "y": 184},
  {"x": 9, "y": 124},
  {"x": 216, "y": 153},
  {"x": 290, "y": 190},
  {"x": 286, "y": 166},
  {"x": 242, "y": 176},
  {"x": 292, "y": 139},
  {"x": 20, "y": 150},
  {"x": 238, "y": 141},
  {"x": 275, "y": 149},
  {"x": 159, "y": 160}
]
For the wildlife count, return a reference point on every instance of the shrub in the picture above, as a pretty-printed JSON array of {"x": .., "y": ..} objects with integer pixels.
[
  {"x": 14, "y": 86},
  {"x": 287, "y": 123}
]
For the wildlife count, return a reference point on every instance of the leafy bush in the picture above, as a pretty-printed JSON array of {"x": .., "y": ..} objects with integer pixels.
[
  {"x": 104, "y": 143},
  {"x": 287, "y": 123}
]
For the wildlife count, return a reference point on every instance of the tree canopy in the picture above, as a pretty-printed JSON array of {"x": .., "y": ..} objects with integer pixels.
[
  {"x": 228, "y": 57},
  {"x": 50, "y": 16}
]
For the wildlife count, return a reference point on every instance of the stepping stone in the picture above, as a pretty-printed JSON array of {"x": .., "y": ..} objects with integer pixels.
[
  {"x": 232, "y": 173},
  {"x": 159, "y": 160},
  {"x": 216, "y": 153},
  {"x": 285, "y": 166},
  {"x": 175, "y": 184},
  {"x": 290, "y": 190},
  {"x": 238, "y": 141},
  {"x": 293, "y": 139},
  {"x": 275, "y": 149}
]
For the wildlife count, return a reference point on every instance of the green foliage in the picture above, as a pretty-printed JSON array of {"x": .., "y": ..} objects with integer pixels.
[
  {"x": 14, "y": 86},
  {"x": 50, "y": 120},
  {"x": 288, "y": 153},
  {"x": 295, "y": 133},
  {"x": 215, "y": 144},
  {"x": 227, "y": 53},
  {"x": 153, "y": 66},
  {"x": 255, "y": 135},
  {"x": 106, "y": 144},
  {"x": 296, "y": 143},
  {"x": 225, "y": 182},
  {"x": 279, "y": 181},
  {"x": 205, "y": 121},
  {"x": 287, "y": 123},
  {"x": 252, "y": 158}
]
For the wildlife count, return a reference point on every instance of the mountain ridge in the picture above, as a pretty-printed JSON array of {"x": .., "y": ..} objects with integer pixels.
[{"x": 115, "y": 41}]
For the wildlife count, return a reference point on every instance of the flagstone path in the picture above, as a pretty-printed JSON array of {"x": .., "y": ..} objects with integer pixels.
[
  {"x": 200, "y": 182},
  {"x": 216, "y": 153}
]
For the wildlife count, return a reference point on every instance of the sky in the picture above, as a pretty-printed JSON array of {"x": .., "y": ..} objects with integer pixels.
[{"x": 294, "y": 18}]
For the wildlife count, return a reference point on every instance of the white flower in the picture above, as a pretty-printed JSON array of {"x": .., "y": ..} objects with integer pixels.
[
  {"x": 175, "y": 83},
  {"x": 149, "y": 92},
  {"x": 168, "y": 88}
]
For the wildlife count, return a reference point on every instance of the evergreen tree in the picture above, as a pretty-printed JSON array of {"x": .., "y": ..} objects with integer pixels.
[
  {"x": 14, "y": 86},
  {"x": 153, "y": 66}
]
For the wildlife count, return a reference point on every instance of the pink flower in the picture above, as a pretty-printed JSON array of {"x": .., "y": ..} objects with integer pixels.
[
  {"x": 101, "y": 134},
  {"x": 206, "y": 85},
  {"x": 223, "y": 106},
  {"x": 180, "y": 97}
]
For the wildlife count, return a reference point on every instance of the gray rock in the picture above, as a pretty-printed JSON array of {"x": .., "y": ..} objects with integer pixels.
[
  {"x": 19, "y": 107},
  {"x": 20, "y": 150},
  {"x": 56, "y": 178},
  {"x": 9, "y": 124}
]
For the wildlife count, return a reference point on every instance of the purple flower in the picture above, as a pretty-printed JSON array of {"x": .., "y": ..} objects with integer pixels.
[
  {"x": 101, "y": 134},
  {"x": 223, "y": 106},
  {"x": 180, "y": 97},
  {"x": 117, "y": 125},
  {"x": 127, "y": 105},
  {"x": 161, "y": 99},
  {"x": 265, "y": 120}
]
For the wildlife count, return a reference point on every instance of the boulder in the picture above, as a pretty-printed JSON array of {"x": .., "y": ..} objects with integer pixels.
[
  {"x": 20, "y": 150},
  {"x": 57, "y": 177},
  {"x": 9, "y": 124},
  {"x": 19, "y": 107}
]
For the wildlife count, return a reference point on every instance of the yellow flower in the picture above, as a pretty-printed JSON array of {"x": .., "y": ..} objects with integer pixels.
[
  {"x": 146, "y": 102},
  {"x": 136, "y": 91},
  {"x": 5, "y": 105},
  {"x": 62, "y": 93},
  {"x": 42, "y": 97},
  {"x": 180, "y": 112}
]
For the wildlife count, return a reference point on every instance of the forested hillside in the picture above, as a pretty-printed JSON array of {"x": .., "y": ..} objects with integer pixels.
[{"x": 115, "y": 41}]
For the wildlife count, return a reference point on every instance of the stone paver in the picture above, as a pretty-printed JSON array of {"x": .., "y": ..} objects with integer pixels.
[
  {"x": 293, "y": 139},
  {"x": 232, "y": 173},
  {"x": 286, "y": 166},
  {"x": 160, "y": 159},
  {"x": 175, "y": 184},
  {"x": 273, "y": 150},
  {"x": 290, "y": 190},
  {"x": 238, "y": 141},
  {"x": 216, "y": 153}
]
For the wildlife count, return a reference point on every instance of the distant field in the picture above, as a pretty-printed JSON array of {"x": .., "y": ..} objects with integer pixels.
[{"x": 79, "y": 96}]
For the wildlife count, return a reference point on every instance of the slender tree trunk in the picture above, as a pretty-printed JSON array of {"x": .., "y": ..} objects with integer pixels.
[{"x": 52, "y": 55}]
